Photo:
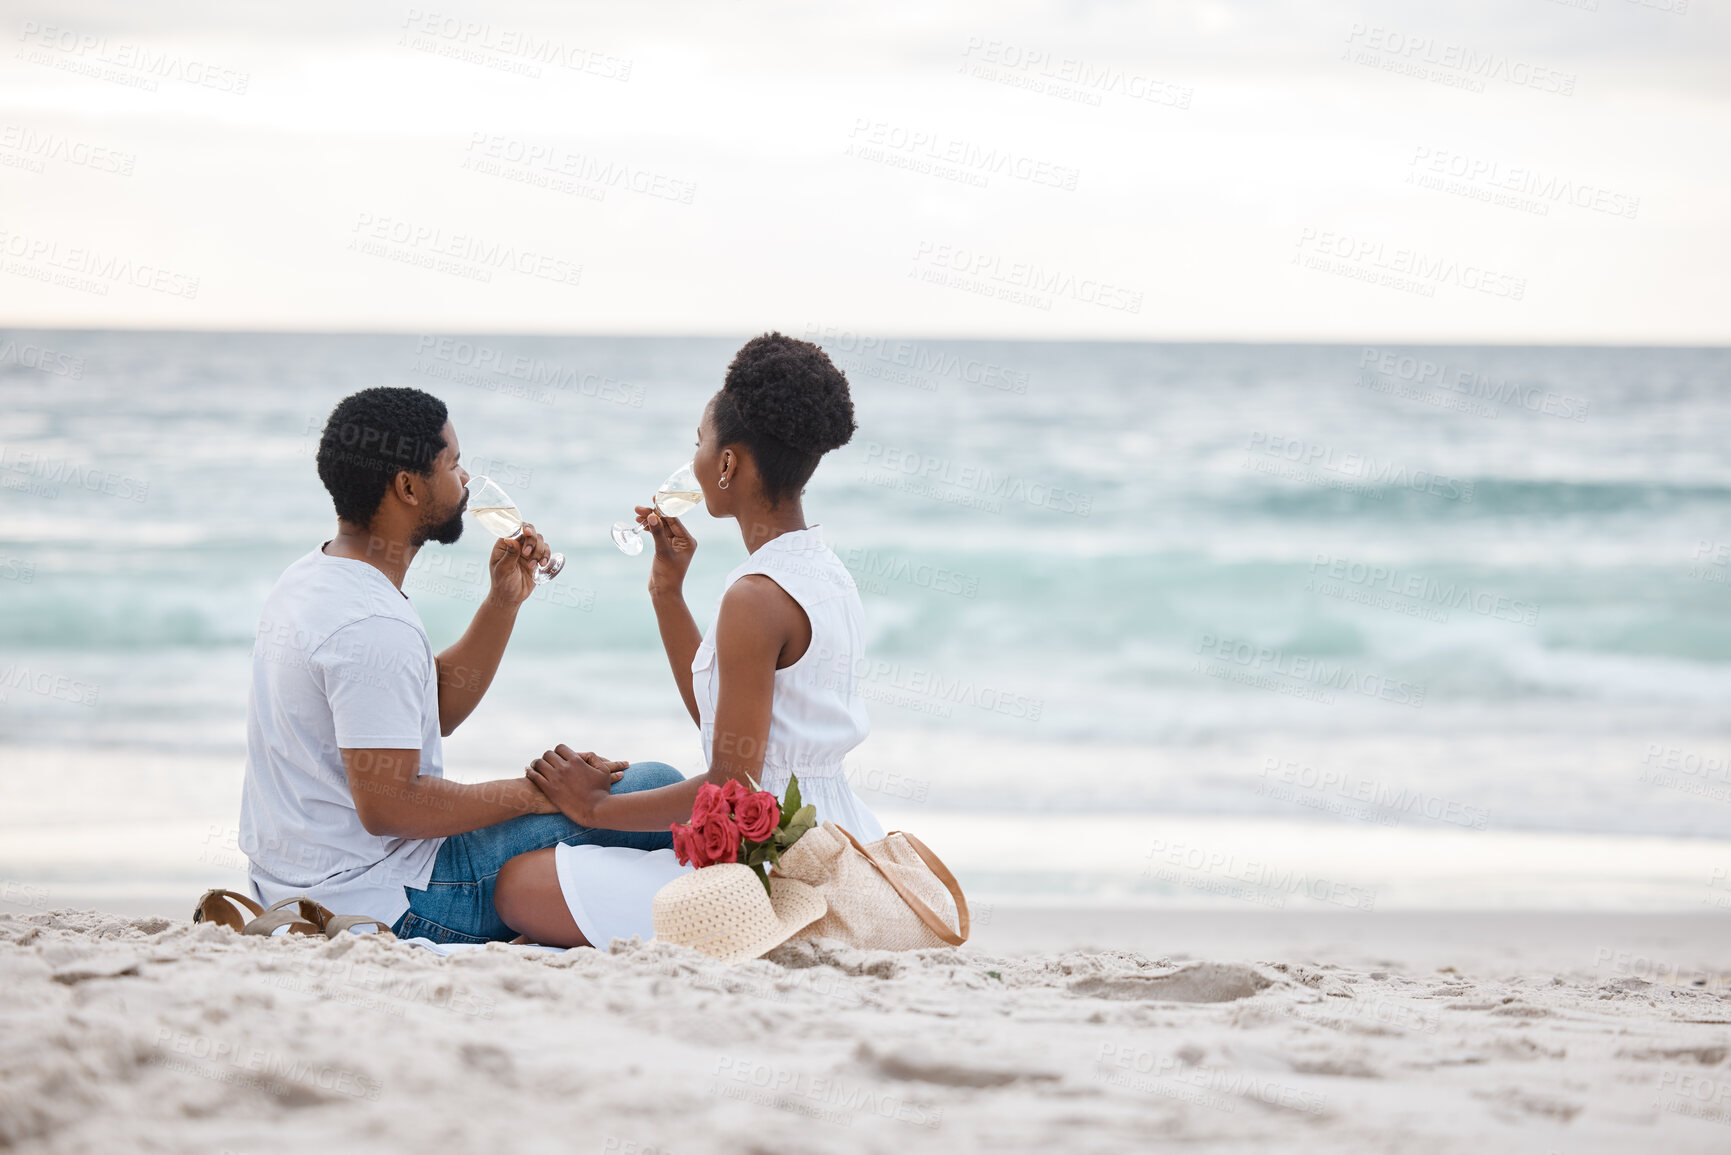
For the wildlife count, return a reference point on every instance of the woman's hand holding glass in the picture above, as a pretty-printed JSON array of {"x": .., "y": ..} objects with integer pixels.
[
  {"x": 674, "y": 547},
  {"x": 679, "y": 494},
  {"x": 674, "y": 544}
]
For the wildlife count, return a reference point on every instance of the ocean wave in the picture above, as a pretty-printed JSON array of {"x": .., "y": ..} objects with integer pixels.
[{"x": 1081, "y": 540}]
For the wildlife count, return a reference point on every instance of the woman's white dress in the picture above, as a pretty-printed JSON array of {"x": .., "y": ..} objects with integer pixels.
[{"x": 816, "y": 718}]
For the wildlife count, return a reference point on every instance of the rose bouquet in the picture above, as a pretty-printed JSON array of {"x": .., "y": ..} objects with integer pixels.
[{"x": 732, "y": 824}]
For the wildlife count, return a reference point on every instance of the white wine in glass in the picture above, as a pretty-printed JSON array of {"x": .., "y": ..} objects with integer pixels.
[
  {"x": 498, "y": 515},
  {"x": 678, "y": 495}
]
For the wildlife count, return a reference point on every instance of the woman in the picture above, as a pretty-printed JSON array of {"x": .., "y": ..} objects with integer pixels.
[{"x": 772, "y": 687}]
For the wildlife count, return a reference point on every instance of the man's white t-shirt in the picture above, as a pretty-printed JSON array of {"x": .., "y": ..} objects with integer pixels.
[{"x": 341, "y": 661}]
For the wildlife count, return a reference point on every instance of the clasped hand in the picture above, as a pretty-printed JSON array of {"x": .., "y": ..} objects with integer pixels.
[{"x": 575, "y": 783}]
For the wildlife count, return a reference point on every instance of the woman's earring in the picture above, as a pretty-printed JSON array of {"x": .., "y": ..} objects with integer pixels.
[{"x": 723, "y": 482}]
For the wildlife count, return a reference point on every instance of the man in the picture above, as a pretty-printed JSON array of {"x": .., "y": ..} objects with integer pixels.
[{"x": 345, "y": 798}]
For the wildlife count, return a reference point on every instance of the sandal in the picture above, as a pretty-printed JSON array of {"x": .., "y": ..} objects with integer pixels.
[
  {"x": 356, "y": 924},
  {"x": 334, "y": 924},
  {"x": 224, "y": 908},
  {"x": 277, "y": 918}
]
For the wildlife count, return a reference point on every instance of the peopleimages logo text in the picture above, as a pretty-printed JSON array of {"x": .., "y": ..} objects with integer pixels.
[
  {"x": 1522, "y": 180},
  {"x": 1352, "y": 788},
  {"x": 918, "y": 358},
  {"x": 113, "y": 59},
  {"x": 933, "y": 470},
  {"x": 1092, "y": 78},
  {"x": 47, "y": 253},
  {"x": 463, "y": 37},
  {"x": 48, "y": 684},
  {"x": 1257, "y": 872},
  {"x": 475, "y": 250},
  {"x": 1420, "y": 54},
  {"x": 1452, "y": 595},
  {"x": 879, "y": 568},
  {"x": 582, "y": 168},
  {"x": 1027, "y": 275},
  {"x": 1320, "y": 672},
  {"x": 940, "y": 148},
  {"x": 30, "y": 469},
  {"x": 45, "y": 146},
  {"x": 927, "y": 683},
  {"x": 1471, "y": 383},
  {"x": 1409, "y": 264},
  {"x": 1358, "y": 466}
]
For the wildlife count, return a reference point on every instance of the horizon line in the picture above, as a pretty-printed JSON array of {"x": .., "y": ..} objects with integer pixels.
[{"x": 638, "y": 335}]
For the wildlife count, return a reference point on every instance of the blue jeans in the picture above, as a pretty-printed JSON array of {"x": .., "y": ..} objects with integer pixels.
[{"x": 457, "y": 905}]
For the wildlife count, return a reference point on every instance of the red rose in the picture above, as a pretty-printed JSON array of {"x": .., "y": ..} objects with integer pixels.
[
  {"x": 682, "y": 843},
  {"x": 710, "y": 800},
  {"x": 758, "y": 815},
  {"x": 734, "y": 791},
  {"x": 716, "y": 839}
]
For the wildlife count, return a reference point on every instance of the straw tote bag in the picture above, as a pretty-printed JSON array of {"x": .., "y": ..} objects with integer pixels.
[{"x": 891, "y": 895}]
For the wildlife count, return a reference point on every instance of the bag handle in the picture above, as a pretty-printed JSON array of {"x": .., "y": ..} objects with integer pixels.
[{"x": 933, "y": 922}]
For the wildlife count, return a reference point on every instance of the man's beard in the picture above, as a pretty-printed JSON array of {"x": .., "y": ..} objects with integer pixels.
[{"x": 445, "y": 532}]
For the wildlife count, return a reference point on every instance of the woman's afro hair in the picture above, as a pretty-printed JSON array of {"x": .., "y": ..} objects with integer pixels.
[
  {"x": 787, "y": 402},
  {"x": 791, "y": 391}
]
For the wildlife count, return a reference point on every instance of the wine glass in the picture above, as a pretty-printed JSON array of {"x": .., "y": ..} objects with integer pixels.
[
  {"x": 679, "y": 494},
  {"x": 498, "y": 515}
]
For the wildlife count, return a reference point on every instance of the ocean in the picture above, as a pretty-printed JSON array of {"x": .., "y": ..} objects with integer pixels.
[{"x": 1444, "y": 625}]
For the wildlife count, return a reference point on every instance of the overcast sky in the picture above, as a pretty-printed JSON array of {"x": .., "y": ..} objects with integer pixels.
[{"x": 1525, "y": 170}]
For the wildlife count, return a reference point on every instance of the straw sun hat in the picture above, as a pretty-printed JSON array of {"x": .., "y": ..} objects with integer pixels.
[{"x": 722, "y": 911}]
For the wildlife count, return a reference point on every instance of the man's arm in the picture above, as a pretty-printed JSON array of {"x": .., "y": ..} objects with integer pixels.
[
  {"x": 466, "y": 668},
  {"x": 394, "y": 799}
]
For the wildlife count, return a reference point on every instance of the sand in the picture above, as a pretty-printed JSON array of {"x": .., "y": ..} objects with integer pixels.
[{"x": 146, "y": 1034}]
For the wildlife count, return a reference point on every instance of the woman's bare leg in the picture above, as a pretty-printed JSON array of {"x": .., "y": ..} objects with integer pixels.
[{"x": 529, "y": 901}]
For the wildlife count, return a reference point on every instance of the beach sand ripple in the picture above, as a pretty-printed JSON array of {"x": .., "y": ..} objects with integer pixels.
[{"x": 122, "y": 1035}]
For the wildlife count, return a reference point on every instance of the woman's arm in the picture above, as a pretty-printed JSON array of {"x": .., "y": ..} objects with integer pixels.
[
  {"x": 751, "y": 631},
  {"x": 757, "y": 623},
  {"x": 680, "y": 636}
]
